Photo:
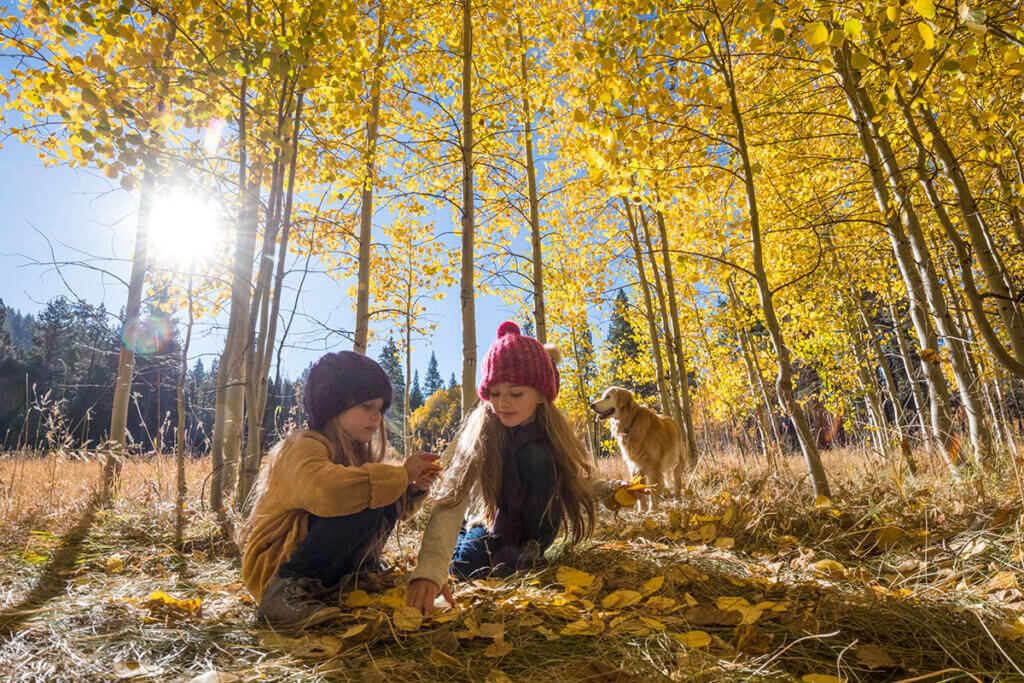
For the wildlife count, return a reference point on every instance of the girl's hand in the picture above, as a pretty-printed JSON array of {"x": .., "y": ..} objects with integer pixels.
[
  {"x": 422, "y": 593},
  {"x": 422, "y": 464}
]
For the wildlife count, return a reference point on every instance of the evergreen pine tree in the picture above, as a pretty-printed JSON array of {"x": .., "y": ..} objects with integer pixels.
[
  {"x": 622, "y": 342},
  {"x": 432, "y": 382},
  {"x": 528, "y": 328},
  {"x": 415, "y": 393},
  {"x": 390, "y": 360},
  {"x": 452, "y": 382}
]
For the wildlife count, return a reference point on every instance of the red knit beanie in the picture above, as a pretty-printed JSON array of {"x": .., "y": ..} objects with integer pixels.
[{"x": 518, "y": 359}]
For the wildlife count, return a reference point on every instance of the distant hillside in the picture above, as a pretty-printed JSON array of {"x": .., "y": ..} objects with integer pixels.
[{"x": 18, "y": 325}]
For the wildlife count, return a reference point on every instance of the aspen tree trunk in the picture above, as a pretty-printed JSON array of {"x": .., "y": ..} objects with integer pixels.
[
  {"x": 784, "y": 378},
  {"x": 673, "y": 376},
  {"x": 759, "y": 408},
  {"x": 271, "y": 335},
  {"x": 1007, "y": 309},
  {"x": 923, "y": 417},
  {"x": 1006, "y": 422},
  {"x": 967, "y": 382},
  {"x": 869, "y": 385},
  {"x": 1014, "y": 212},
  {"x": 256, "y": 381},
  {"x": 750, "y": 357},
  {"x": 366, "y": 202},
  {"x": 136, "y": 284},
  {"x": 539, "y": 312},
  {"x": 244, "y": 241},
  {"x": 179, "y": 436},
  {"x": 938, "y": 391},
  {"x": 685, "y": 408},
  {"x": 582, "y": 393},
  {"x": 996, "y": 278},
  {"x": 468, "y": 289},
  {"x": 652, "y": 327}
]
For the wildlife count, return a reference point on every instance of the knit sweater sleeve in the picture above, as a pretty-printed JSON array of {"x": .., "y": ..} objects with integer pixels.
[
  {"x": 438, "y": 544},
  {"x": 305, "y": 478}
]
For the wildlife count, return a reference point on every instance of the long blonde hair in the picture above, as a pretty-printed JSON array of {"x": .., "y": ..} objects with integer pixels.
[
  {"x": 344, "y": 450},
  {"x": 475, "y": 468}
]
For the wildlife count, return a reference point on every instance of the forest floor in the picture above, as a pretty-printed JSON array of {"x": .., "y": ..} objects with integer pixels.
[{"x": 897, "y": 577}]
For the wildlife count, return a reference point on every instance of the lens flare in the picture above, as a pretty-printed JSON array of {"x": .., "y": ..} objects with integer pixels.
[
  {"x": 214, "y": 136},
  {"x": 146, "y": 334}
]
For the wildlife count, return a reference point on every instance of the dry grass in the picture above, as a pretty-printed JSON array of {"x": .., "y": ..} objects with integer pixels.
[{"x": 938, "y": 595}]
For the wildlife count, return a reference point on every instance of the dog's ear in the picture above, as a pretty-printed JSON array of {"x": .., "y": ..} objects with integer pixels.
[{"x": 554, "y": 353}]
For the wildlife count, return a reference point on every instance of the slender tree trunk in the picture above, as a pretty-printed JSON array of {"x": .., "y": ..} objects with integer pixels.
[
  {"x": 468, "y": 288},
  {"x": 1014, "y": 212},
  {"x": 989, "y": 261},
  {"x": 685, "y": 408},
  {"x": 366, "y": 203},
  {"x": 912, "y": 380},
  {"x": 1007, "y": 309},
  {"x": 673, "y": 372},
  {"x": 784, "y": 379},
  {"x": 645, "y": 289},
  {"x": 966, "y": 382},
  {"x": 539, "y": 314},
  {"x": 938, "y": 390},
  {"x": 748, "y": 363},
  {"x": 136, "y": 284},
  {"x": 179, "y": 436}
]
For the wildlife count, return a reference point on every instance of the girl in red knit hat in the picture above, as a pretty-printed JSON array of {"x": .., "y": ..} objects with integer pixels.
[
  {"x": 517, "y": 475},
  {"x": 324, "y": 504}
]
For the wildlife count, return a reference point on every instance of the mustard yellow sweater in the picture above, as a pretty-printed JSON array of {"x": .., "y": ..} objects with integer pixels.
[{"x": 304, "y": 479}]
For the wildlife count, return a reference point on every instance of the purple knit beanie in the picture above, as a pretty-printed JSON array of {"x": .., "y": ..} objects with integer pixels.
[
  {"x": 518, "y": 359},
  {"x": 339, "y": 381}
]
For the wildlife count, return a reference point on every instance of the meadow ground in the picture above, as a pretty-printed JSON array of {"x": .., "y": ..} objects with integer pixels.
[{"x": 745, "y": 577}]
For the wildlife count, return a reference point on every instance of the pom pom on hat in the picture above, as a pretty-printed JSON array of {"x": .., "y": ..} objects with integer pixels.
[
  {"x": 520, "y": 360},
  {"x": 508, "y": 327}
]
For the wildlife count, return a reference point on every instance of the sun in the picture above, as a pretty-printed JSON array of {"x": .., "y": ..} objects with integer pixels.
[{"x": 184, "y": 227}]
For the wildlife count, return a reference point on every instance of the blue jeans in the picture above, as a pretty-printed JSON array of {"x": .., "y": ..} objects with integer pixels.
[
  {"x": 336, "y": 547},
  {"x": 473, "y": 552}
]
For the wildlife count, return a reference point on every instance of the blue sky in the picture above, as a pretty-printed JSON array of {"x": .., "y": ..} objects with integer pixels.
[{"x": 86, "y": 217}]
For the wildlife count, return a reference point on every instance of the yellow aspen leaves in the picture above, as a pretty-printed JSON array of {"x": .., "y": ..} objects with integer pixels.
[
  {"x": 822, "y": 502},
  {"x": 830, "y": 569},
  {"x": 408, "y": 618},
  {"x": 620, "y": 599},
  {"x": 652, "y": 585},
  {"x": 927, "y": 36},
  {"x": 926, "y": 8},
  {"x": 357, "y": 598},
  {"x": 693, "y": 639},
  {"x": 816, "y": 35},
  {"x": 584, "y": 627},
  {"x": 567, "y": 576}
]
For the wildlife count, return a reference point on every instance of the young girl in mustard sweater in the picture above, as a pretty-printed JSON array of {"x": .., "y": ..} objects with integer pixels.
[{"x": 324, "y": 504}]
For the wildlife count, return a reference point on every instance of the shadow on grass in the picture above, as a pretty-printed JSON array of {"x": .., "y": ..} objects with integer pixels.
[{"x": 50, "y": 584}]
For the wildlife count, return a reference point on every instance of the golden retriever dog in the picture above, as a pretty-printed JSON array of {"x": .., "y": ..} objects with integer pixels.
[{"x": 651, "y": 444}]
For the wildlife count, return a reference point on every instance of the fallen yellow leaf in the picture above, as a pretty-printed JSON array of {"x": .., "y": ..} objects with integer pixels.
[
  {"x": 583, "y": 627},
  {"x": 830, "y": 568},
  {"x": 499, "y": 648},
  {"x": 620, "y": 599},
  {"x": 822, "y": 502},
  {"x": 408, "y": 618},
  {"x": 357, "y": 598},
  {"x": 693, "y": 638},
  {"x": 567, "y": 576},
  {"x": 652, "y": 585},
  {"x": 440, "y": 658},
  {"x": 821, "y": 678}
]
